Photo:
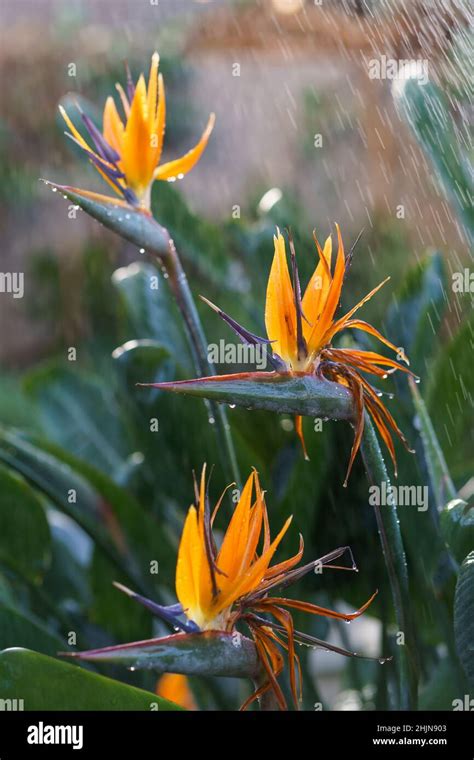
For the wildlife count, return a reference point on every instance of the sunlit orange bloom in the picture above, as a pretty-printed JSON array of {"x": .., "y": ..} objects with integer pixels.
[
  {"x": 127, "y": 151},
  {"x": 175, "y": 687},
  {"x": 221, "y": 586},
  {"x": 301, "y": 329}
]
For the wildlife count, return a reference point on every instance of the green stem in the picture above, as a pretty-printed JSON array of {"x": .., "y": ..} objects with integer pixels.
[
  {"x": 395, "y": 561},
  {"x": 180, "y": 287}
]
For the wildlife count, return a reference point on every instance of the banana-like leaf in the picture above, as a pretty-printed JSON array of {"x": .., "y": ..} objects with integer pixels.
[
  {"x": 284, "y": 394},
  {"x": 457, "y": 528},
  {"x": 415, "y": 315},
  {"x": 427, "y": 111},
  {"x": 44, "y": 683},
  {"x": 441, "y": 482},
  {"x": 138, "y": 227},
  {"x": 111, "y": 517},
  {"x": 464, "y": 616},
  {"x": 23, "y": 629},
  {"x": 212, "y": 653},
  {"x": 25, "y": 539},
  {"x": 449, "y": 400},
  {"x": 82, "y": 414},
  {"x": 149, "y": 309}
]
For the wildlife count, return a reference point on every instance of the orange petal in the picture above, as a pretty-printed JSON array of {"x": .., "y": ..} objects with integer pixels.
[
  {"x": 136, "y": 146},
  {"x": 152, "y": 90},
  {"x": 158, "y": 128},
  {"x": 175, "y": 687},
  {"x": 233, "y": 548},
  {"x": 250, "y": 580},
  {"x": 205, "y": 573},
  {"x": 75, "y": 133},
  {"x": 358, "y": 393},
  {"x": 316, "y": 338},
  {"x": 359, "y": 324},
  {"x": 181, "y": 166},
  {"x": 255, "y": 529},
  {"x": 340, "y": 324},
  {"x": 112, "y": 125},
  {"x": 287, "y": 564},
  {"x": 189, "y": 564},
  {"x": 318, "y": 287},
  {"x": 315, "y": 609},
  {"x": 280, "y": 312},
  {"x": 300, "y": 434}
]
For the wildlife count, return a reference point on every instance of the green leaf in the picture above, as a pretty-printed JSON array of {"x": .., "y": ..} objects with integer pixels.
[
  {"x": 15, "y": 407},
  {"x": 25, "y": 540},
  {"x": 415, "y": 316},
  {"x": 440, "y": 478},
  {"x": 137, "y": 359},
  {"x": 441, "y": 689},
  {"x": 21, "y": 629},
  {"x": 112, "y": 610},
  {"x": 82, "y": 415},
  {"x": 464, "y": 616},
  {"x": 450, "y": 401},
  {"x": 457, "y": 528},
  {"x": 284, "y": 394},
  {"x": 44, "y": 683},
  {"x": 100, "y": 506},
  {"x": 212, "y": 653},
  {"x": 427, "y": 110},
  {"x": 150, "y": 311},
  {"x": 67, "y": 578},
  {"x": 57, "y": 481}
]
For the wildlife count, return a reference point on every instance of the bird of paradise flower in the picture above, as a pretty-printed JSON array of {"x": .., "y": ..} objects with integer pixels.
[
  {"x": 301, "y": 330},
  {"x": 127, "y": 151},
  {"x": 221, "y": 589}
]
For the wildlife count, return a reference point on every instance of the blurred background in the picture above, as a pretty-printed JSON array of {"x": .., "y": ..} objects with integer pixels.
[{"x": 304, "y": 137}]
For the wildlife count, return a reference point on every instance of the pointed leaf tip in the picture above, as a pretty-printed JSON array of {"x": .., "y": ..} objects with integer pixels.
[{"x": 283, "y": 393}]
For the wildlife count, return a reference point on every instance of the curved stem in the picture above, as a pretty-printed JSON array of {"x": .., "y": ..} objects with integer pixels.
[
  {"x": 197, "y": 339},
  {"x": 394, "y": 554}
]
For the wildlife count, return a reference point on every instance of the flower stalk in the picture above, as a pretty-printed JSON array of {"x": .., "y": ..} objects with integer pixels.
[
  {"x": 395, "y": 560},
  {"x": 198, "y": 344}
]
